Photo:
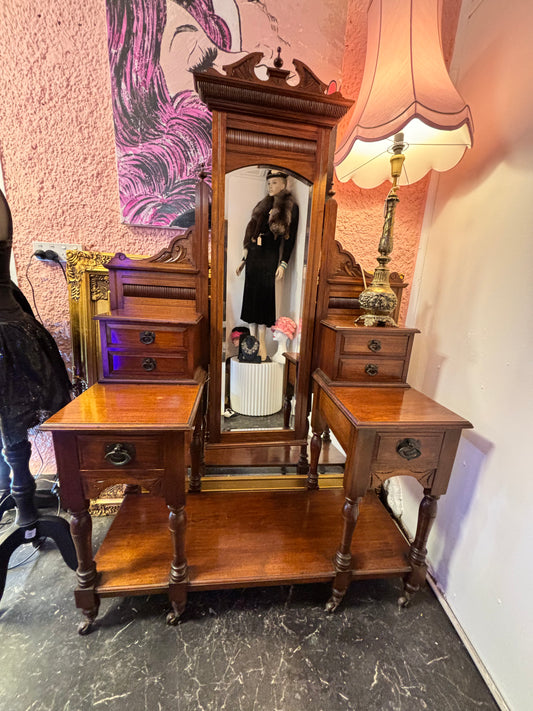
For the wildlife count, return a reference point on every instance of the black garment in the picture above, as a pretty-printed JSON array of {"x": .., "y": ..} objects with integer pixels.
[
  {"x": 33, "y": 379},
  {"x": 262, "y": 261}
]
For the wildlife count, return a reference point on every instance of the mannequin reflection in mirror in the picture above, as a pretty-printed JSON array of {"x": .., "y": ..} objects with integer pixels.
[{"x": 267, "y": 247}]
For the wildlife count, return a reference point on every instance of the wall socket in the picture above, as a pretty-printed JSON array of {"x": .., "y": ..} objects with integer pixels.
[{"x": 59, "y": 247}]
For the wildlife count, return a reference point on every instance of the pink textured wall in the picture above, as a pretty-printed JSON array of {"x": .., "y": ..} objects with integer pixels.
[
  {"x": 360, "y": 216},
  {"x": 57, "y": 148},
  {"x": 57, "y": 144}
]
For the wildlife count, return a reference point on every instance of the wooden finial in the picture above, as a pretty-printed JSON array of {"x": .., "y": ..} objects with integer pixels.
[{"x": 278, "y": 62}]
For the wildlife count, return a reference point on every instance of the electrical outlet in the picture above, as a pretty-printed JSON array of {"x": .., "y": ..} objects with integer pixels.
[{"x": 59, "y": 247}]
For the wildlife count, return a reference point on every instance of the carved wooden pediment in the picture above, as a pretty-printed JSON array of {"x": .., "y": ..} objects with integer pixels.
[{"x": 240, "y": 90}]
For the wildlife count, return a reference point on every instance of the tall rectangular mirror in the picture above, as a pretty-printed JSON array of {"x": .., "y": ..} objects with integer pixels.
[{"x": 266, "y": 217}]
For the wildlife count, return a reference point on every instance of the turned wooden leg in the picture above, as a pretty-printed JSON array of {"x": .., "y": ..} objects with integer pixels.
[
  {"x": 303, "y": 463},
  {"x": 179, "y": 573},
  {"x": 316, "y": 447},
  {"x": 86, "y": 598},
  {"x": 326, "y": 437},
  {"x": 418, "y": 551},
  {"x": 343, "y": 557},
  {"x": 302, "y": 466},
  {"x": 287, "y": 405},
  {"x": 197, "y": 457}
]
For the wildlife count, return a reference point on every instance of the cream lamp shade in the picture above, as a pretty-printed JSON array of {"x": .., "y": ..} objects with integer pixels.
[{"x": 406, "y": 87}]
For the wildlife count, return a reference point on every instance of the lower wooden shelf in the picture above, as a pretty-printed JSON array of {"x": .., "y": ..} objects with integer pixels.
[{"x": 246, "y": 539}]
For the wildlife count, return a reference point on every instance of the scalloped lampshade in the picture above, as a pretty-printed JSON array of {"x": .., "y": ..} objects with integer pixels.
[{"x": 406, "y": 87}]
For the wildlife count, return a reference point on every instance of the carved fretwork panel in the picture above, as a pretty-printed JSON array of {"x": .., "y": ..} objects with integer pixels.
[{"x": 425, "y": 478}]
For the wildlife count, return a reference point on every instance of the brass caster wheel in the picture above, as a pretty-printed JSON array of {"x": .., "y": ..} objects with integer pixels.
[
  {"x": 404, "y": 601},
  {"x": 173, "y": 618},
  {"x": 331, "y": 605},
  {"x": 85, "y": 627}
]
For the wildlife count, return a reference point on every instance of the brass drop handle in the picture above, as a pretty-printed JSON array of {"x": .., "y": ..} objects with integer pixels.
[
  {"x": 146, "y": 337},
  {"x": 371, "y": 369},
  {"x": 149, "y": 364},
  {"x": 374, "y": 345},
  {"x": 409, "y": 448},
  {"x": 119, "y": 454}
]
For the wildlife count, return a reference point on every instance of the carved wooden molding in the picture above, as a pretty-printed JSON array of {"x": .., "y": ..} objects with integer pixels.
[
  {"x": 241, "y": 90},
  {"x": 245, "y": 69},
  {"x": 343, "y": 264},
  {"x": 251, "y": 139},
  {"x": 176, "y": 252},
  {"x": 175, "y": 257}
]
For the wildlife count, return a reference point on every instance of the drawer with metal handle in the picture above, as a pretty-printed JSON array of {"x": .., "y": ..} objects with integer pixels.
[
  {"x": 372, "y": 371},
  {"x": 412, "y": 451},
  {"x": 101, "y": 452},
  {"x": 358, "y": 343},
  {"x": 156, "y": 367},
  {"x": 139, "y": 337}
]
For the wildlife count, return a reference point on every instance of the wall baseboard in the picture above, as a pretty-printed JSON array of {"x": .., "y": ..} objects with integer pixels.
[{"x": 498, "y": 698}]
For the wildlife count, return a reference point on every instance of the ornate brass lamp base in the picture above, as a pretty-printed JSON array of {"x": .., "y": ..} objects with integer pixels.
[{"x": 379, "y": 300}]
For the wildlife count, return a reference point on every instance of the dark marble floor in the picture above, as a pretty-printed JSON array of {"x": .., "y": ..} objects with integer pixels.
[{"x": 262, "y": 649}]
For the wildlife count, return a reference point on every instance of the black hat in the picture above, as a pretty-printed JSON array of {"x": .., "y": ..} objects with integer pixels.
[{"x": 276, "y": 174}]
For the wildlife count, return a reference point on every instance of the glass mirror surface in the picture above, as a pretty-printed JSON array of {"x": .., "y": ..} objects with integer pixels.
[{"x": 266, "y": 216}]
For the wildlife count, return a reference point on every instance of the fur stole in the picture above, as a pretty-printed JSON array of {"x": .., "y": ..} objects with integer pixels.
[{"x": 279, "y": 219}]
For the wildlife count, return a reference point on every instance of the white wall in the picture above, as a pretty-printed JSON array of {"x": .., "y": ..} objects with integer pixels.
[{"x": 473, "y": 302}]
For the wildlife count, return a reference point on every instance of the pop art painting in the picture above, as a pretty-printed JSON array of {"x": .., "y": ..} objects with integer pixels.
[{"x": 162, "y": 129}]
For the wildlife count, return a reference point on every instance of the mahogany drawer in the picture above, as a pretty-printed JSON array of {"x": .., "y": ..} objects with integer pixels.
[
  {"x": 141, "y": 337},
  {"x": 412, "y": 451},
  {"x": 371, "y": 370},
  {"x": 147, "y": 367},
  {"x": 124, "y": 452},
  {"x": 357, "y": 343}
]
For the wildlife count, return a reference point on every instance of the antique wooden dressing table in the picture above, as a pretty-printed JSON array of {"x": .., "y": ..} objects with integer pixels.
[{"x": 239, "y": 539}]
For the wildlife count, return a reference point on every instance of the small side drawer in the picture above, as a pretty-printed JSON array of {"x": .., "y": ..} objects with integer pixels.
[
  {"x": 146, "y": 452},
  {"x": 144, "y": 337},
  {"x": 370, "y": 370},
  {"x": 391, "y": 446},
  {"x": 154, "y": 366},
  {"x": 357, "y": 343}
]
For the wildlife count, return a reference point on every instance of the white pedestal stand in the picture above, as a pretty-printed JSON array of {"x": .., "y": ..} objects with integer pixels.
[{"x": 256, "y": 388}]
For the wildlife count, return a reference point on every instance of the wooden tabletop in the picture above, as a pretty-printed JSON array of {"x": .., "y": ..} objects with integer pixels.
[
  {"x": 157, "y": 314},
  {"x": 341, "y": 322},
  {"x": 129, "y": 406},
  {"x": 384, "y": 407}
]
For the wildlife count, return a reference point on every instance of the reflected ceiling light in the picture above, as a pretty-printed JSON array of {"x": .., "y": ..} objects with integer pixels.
[{"x": 406, "y": 87}]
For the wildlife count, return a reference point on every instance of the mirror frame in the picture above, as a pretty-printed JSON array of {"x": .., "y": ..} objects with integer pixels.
[{"x": 258, "y": 122}]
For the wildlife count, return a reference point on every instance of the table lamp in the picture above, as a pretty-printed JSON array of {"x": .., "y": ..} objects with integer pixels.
[{"x": 407, "y": 101}]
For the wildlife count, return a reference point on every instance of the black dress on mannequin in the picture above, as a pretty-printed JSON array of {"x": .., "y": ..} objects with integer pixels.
[{"x": 33, "y": 385}]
